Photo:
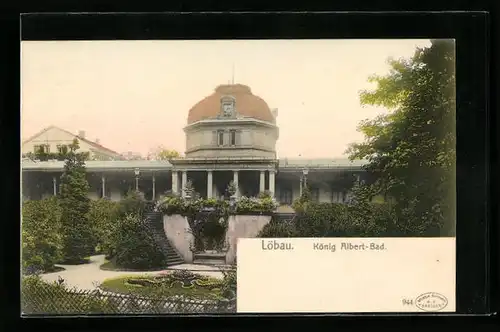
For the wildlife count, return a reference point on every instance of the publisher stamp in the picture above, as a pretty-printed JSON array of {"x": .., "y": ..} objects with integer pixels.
[{"x": 431, "y": 301}]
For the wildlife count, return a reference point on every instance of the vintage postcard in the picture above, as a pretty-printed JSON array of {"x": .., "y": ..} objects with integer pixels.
[{"x": 238, "y": 176}]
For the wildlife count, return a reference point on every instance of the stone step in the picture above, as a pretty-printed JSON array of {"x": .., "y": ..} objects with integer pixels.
[
  {"x": 209, "y": 258},
  {"x": 170, "y": 259},
  {"x": 212, "y": 261},
  {"x": 175, "y": 263}
]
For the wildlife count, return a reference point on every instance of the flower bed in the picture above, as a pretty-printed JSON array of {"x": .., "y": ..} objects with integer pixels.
[
  {"x": 174, "y": 204},
  {"x": 179, "y": 283}
]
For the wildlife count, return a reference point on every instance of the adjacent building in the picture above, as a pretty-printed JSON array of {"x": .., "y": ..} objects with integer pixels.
[{"x": 53, "y": 140}]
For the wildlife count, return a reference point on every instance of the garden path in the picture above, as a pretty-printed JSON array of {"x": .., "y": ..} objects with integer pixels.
[{"x": 88, "y": 276}]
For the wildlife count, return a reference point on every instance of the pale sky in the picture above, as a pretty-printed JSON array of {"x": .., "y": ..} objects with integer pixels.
[{"x": 135, "y": 95}]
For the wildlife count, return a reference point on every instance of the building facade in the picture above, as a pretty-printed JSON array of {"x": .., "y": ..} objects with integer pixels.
[
  {"x": 53, "y": 139},
  {"x": 231, "y": 135}
]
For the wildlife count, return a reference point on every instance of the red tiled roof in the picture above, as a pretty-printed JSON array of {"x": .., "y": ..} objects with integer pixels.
[{"x": 247, "y": 104}]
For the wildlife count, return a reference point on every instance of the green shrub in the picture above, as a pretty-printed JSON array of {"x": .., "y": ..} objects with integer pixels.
[
  {"x": 229, "y": 283},
  {"x": 41, "y": 234},
  {"x": 252, "y": 205},
  {"x": 264, "y": 194},
  {"x": 300, "y": 204},
  {"x": 39, "y": 297},
  {"x": 174, "y": 204},
  {"x": 276, "y": 228},
  {"x": 133, "y": 203},
  {"x": 340, "y": 220},
  {"x": 134, "y": 248},
  {"x": 103, "y": 215},
  {"x": 209, "y": 230}
]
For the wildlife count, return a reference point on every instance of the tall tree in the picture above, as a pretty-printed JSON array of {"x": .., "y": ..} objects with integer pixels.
[
  {"x": 162, "y": 153},
  {"x": 411, "y": 149},
  {"x": 75, "y": 205}
]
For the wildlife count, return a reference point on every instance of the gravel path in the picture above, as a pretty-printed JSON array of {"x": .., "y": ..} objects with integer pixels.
[{"x": 88, "y": 276}]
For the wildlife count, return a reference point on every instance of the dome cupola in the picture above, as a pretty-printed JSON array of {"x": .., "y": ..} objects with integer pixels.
[{"x": 231, "y": 100}]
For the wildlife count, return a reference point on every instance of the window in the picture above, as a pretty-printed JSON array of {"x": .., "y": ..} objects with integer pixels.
[
  {"x": 286, "y": 196},
  {"x": 62, "y": 149},
  {"x": 233, "y": 137},
  {"x": 42, "y": 148},
  {"x": 220, "y": 138}
]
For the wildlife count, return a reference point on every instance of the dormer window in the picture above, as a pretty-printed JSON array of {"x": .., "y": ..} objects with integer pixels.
[{"x": 228, "y": 107}]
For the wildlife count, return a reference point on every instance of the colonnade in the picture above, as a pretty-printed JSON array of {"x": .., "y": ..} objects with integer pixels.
[{"x": 210, "y": 182}]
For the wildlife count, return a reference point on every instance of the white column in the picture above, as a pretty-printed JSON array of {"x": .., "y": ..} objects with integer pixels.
[
  {"x": 262, "y": 183},
  {"x": 54, "y": 184},
  {"x": 154, "y": 187},
  {"x": 184, "y": 182},
  {"x": 103, "y": 181},
  {"x": 300, "y": 186},
  {"x": 236, "y": 180},
  {"x": 210, "y": 180},
  {"x": 272, "y": 180},
  {"x": 175, "y": 184}
]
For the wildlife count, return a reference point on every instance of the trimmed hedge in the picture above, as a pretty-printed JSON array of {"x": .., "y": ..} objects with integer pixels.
[{"x": 357, "y": 220}]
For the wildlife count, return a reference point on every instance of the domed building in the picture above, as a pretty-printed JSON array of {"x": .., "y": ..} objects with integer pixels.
[{"x": 231, "y": 137}]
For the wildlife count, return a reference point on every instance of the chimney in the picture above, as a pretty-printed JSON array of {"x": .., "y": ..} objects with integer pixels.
[
  {"x": 81, "y": 133},
  {"x": 98, "y": 141}
]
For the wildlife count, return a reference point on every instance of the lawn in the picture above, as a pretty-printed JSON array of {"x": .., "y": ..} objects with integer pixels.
[{"x": 179, "y": 282}]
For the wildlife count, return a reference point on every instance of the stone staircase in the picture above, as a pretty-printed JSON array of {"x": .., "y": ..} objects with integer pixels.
[{"x": 154, "y": 224}]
